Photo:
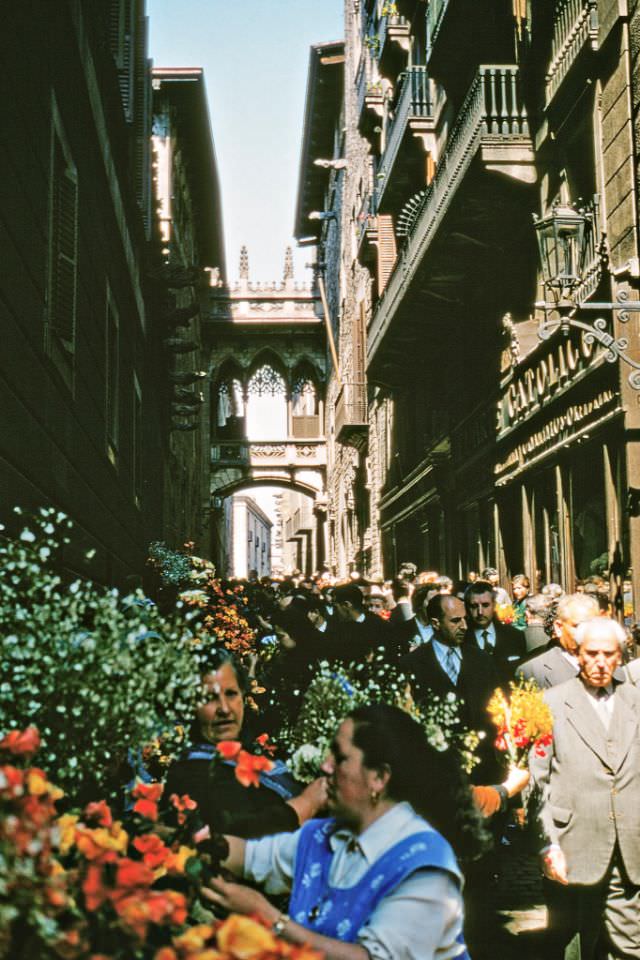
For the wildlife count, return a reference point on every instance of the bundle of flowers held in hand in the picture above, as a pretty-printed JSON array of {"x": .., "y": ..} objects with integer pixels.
[
  {"x": 524, "y": 722},
  {"x": 335, "y": 691}
]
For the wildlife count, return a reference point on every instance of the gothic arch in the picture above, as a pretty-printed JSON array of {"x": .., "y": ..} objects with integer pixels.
[{"x": 266, "y": 357}]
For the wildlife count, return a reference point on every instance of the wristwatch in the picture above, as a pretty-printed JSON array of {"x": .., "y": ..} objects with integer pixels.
[{"x": 280, "y": 924}]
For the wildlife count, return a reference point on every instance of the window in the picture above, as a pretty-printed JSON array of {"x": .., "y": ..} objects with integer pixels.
[
  {"x": 112, "y": 377},
  {"x": 60, "y": 324},
  {"x": 136, "y": 435},
  {"x": 121, "y": 41}
]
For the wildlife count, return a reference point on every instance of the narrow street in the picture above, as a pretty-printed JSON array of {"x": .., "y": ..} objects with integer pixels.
[{"x": 319, "y": 479}]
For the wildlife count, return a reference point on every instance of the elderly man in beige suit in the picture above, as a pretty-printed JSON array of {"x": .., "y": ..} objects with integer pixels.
[{"x": 587, "y": 793}]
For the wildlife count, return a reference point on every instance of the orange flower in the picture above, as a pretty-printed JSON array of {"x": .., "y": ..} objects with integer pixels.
[
  {"x": 103, "y": 843},
  {"x": 100, "y": 811},
  {"x": 248, "y": 768},
  {"x": 177, "y": 860},
  {"x": 148, "y": 791},
  {"x": 95, "y": 893},
  {"x": 21, "y": 741},
  {"x": 154, "y": 852},
  {"x": 194, "y": 938},
  {"x": 229, "y": 749},
  {"x": 245, "y": 939},
  {"x": 132, "y": 873},
  {"x": 166, "y": 953}
]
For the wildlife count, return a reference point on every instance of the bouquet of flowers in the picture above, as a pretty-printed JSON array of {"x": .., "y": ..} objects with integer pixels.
[
  {"x": 505, "y": 612},
  {"x": 524, "y": 722},
  {"x": 88, "y": 886},
  {"x": 336, "y": 691}
]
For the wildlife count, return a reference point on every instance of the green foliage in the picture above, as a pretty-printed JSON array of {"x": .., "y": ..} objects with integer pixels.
[
  {"x": 98, "y": 673},
  {"x": 174, "y": 566}
]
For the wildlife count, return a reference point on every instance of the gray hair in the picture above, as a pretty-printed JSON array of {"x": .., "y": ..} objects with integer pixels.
[
  {"x": 588, "y": 606},
  {"x": 600, "y": 628}
]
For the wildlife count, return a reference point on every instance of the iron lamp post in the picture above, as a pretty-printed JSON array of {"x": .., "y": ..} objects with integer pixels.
[{"x": 563, "y": 235}]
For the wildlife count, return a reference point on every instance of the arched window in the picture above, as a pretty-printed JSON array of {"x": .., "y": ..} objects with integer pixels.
[
  {"x": 230, "y": 401},
  {"x": 304, "y": 398},
  {"x": 266, "y": 404}
]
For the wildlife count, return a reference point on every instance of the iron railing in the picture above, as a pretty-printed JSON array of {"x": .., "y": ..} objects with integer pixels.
[
  {"x": 413, "y": 100},
  {"x": 493, "y": 109},
  {"x": 435, "y": 16},
  {"x": 351, "y": 409},
  {"x": 575, "y": 23}
]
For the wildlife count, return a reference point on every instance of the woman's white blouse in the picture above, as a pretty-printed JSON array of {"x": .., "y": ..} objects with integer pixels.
[{"x": 419, "y": 920}]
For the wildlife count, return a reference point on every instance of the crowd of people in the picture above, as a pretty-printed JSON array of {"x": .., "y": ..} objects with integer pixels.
[{"x": 390, "y": 851}]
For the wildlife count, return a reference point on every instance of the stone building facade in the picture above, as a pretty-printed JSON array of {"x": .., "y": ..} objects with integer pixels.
[
  {"x": 87, "y": 298},
  {"x": 484, "y": 442}
]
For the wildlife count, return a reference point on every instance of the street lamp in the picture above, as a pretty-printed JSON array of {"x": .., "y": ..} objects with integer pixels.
[
  {"x": 561, "y": 245},
  {"x": 563, "y": 236}
]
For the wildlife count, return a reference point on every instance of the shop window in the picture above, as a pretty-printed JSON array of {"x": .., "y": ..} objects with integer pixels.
[
  {"x": 547, "y": 530},
  {"x": 588, "y": 517}
]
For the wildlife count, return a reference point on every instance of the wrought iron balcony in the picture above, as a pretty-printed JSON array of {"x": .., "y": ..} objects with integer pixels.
[
  {"x": 436, "y": 12},
  {"x": 413, "y": 110},
  {"x": 493, "y": 122},
  {"x": 366, "y": 231},
  {"x": 351, "y": 414},
  {"x": 575, "y": 27},
  {"x": 394, "y": 36}
]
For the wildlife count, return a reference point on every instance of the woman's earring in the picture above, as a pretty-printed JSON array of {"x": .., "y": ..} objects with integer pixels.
[{"x": 374, "y": 797}]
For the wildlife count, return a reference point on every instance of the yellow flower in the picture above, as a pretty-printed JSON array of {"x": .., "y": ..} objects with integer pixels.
[
  {"x": 176, "y": 862},
  {"x": 245, "y": 939},
  {"x": 194, "y": 938},
  {"x": 66, "y": 825}
]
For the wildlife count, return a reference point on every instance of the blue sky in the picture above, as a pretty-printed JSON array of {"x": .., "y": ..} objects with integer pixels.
[{"x": 255, "y": 55}]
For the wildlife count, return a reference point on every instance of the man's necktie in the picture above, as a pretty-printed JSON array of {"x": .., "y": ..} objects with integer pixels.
[
  {"x": 485, "y": 641},
  {"x": 452, "y": 665}
]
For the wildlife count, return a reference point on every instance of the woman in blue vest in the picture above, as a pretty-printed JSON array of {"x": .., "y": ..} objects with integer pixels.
[{"x": 378, "y": 879}]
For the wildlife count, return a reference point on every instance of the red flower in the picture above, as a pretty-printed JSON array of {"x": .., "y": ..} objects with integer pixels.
[
  {"x": 154, "y": 853},
  {"x": 229, "y": 749},
  {"x": 21, "y": 741},
  {"x": 263, "y": 741},
  {"x": 184, "y": 802},
  {"x": 501, "y": 744},
  {"x": 12, "y": 781},
  {"x": 147, "y": 809},
  {"x": 248, "y": 768},
  {"x": 132, "y": 873},
  {"x": 181, "y": 804},
  {"x": 148, "y": 791},
  {"x": 95, "y": 893},
  {"x": 99, "y": 810}
]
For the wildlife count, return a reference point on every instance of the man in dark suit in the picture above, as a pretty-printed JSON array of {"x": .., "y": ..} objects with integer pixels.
[
  {"x": 559, "y": 661},
  {"x": 358, "y": 633},
  {"x": 587, "y": 802},
  {"x": 446, "y": 665},
  {"x": 502, "y": 641}
]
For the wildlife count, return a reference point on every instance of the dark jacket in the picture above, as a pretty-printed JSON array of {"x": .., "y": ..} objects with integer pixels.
[
  {"x": 477, "y": 681},
  {"x": 509, "y": 649},
  {"x": 227, "y": 806}
]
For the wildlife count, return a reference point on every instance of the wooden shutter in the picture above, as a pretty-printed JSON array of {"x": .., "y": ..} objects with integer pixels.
[{"x": 387, "y": 252}]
